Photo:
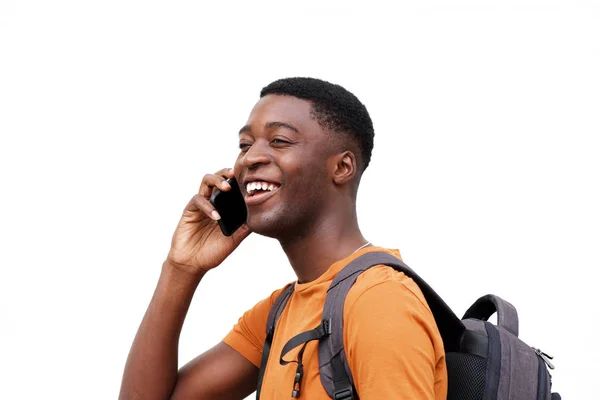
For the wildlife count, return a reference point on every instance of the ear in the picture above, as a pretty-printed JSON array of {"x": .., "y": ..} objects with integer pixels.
[{"x": 343, "y": 167}]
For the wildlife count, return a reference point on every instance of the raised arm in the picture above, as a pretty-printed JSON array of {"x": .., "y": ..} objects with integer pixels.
[{"x": 151, "y": 369}]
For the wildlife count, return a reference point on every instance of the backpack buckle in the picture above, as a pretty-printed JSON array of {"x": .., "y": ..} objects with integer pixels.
[
  {"x": 346, "y": 394},
  {"x": 297, "y": 381},
  {"x": 326, "y": 324}
]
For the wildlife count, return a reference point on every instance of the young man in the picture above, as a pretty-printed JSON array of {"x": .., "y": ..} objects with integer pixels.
[{"x": 302, "y": 153}]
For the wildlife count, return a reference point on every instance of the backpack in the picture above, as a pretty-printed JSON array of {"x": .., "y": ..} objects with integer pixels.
[{"x": 484, "y": 361}]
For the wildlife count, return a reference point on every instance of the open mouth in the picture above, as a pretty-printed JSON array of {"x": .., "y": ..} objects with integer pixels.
[
  {"x": 258, "y": 191},
  {"x": 253, "y": 188}
]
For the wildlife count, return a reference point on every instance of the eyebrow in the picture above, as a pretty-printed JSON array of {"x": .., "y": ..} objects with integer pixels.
[{"x": 271, "y": 125}]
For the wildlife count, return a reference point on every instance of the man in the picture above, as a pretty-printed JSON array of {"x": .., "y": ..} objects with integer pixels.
[{"x": 302, "y": 154}]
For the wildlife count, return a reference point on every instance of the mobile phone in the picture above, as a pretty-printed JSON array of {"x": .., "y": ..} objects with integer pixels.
[{"x": 231, "y": 207}]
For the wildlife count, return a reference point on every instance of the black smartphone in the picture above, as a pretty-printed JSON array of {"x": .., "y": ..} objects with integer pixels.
[{"x": 231, "y": 207}]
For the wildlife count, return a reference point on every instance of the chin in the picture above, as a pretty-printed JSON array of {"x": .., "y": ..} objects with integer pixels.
[
  {"x": 272, "y": 223},
  {"x": 282, "y": 227},
  {"x": 270, "y": 227}
]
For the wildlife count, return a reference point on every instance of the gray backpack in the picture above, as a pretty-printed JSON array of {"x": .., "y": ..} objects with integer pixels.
[{"x": 484, "y": 361}]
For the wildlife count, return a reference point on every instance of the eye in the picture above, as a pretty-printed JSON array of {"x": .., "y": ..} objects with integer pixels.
[
  {"x": 279, "y": 141},
  {"x": 244, "y": 146}
]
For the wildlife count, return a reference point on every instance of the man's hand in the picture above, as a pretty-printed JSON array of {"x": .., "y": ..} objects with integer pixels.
[{"x": 198, "y": 244}]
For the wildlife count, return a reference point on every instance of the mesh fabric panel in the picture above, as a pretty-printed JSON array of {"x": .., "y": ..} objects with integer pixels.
[{"x": 466, "y": 376}]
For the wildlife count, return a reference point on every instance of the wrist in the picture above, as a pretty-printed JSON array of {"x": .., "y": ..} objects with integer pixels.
[{"x": 181, "y": 274}]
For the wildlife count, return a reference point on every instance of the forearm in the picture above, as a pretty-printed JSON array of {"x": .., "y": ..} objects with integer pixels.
[{"x": 151, "y": 368}]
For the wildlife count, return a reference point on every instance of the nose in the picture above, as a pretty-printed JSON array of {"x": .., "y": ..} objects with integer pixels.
[{"x": 257, "y": 154}]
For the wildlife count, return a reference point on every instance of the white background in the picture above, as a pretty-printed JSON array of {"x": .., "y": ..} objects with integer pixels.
[{"x": 484, "y": 172}]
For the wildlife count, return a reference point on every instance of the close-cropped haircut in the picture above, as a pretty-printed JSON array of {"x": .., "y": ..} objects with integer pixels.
[{"x": 333, "y": 107}]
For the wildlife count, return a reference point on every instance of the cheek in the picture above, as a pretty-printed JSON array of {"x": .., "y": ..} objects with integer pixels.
[
  {"x": 296, "y": 168},
  {"x": 304, "y": 172}
]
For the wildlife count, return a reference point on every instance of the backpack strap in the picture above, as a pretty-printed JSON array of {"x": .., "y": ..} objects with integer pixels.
[
  {"x": 274, "y": 314},
  {"x": 302, "y": 339},
  {"x": 335, "y": 373},
  {"x": 487, "y": 305}
]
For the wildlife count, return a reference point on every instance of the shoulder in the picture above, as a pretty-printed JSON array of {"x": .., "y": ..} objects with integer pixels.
[
  {"x": 382, "y": 284},
  {"x": 392, "y": 343},
  {"x": 388, "y": 303},
  {"x": 263, "y": 307},
  {"x": 384, "y": 305},
  {"x": 249, "y": 333},
  {"x": 275, "y": 295}
]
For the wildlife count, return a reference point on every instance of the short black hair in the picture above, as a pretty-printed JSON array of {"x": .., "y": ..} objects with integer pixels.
[{"x": 333, "y": 107}]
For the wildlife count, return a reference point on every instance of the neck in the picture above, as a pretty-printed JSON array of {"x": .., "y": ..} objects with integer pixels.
[{"x": 327, "y": 241}]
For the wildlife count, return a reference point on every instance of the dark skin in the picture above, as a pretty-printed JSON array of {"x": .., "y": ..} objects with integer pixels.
[{"x": 312, "y": 214}]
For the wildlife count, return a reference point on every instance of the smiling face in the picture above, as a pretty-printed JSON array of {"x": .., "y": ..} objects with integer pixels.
[{"x": 282, "y": 167}]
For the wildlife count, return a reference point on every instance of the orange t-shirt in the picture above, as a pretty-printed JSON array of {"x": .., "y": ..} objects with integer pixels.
[{"x": 392, "y": 343}]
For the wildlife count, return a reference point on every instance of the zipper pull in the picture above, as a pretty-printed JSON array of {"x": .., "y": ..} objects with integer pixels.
[
  {"x": 545, "y": 357},
  {"x": 297, "y": 381}
]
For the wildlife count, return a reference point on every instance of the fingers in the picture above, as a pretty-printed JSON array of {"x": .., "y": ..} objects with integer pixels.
[
  {"x": 210, "y": 182},
  {"x": 200, "y": 203},
  {"x": 241, "y": 233}
]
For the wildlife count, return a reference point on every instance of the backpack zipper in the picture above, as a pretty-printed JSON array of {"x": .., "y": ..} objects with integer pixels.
[
  {"x": 545, "y": 357},
  {"x": 542, "y": 379}
]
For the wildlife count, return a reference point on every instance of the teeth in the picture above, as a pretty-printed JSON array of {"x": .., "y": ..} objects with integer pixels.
[{"x": 254, "y": 186}]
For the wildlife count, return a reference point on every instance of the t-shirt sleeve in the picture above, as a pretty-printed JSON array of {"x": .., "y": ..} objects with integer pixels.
[
  {"x": 393, "y": 345},
  {"x": 248, "y": 336}
]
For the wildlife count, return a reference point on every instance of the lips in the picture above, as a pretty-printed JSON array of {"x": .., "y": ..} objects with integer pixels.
[
  {"x": 257, "y": 189},
  {"x": 254, "y": 187},
  {"x": 259, "y": 197}
]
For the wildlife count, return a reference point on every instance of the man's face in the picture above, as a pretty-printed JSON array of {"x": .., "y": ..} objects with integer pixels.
[{"x": 281, "y": 167}]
